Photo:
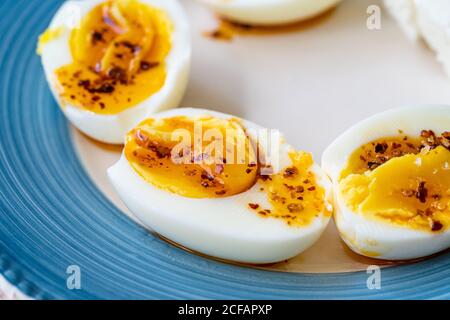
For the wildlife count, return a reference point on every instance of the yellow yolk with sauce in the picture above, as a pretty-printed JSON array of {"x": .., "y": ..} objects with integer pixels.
[
  {"x": 293, "y": 193},
  {"x": 119, "y": 54},
  {"x": 198, "y": 158},
  {"x": 411, "y": 190}
]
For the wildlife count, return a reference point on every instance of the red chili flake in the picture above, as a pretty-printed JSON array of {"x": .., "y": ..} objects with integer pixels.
[
  {"x": 253, "y": 206},
  {"x": 204, "y": 184},
  {"x": 290, "y": 172},
  {"x": 133, "y": 47},
  {"x": 84, "y": 83},
  {"x": 430, "y": 138},
  {"x": 422, "y": 192},
  {"x": 221, "y": 192},
  {"x": 105, "y": 88},
  {"x": 445, "y": 139},
  {"x": 265, "y": 177},
  {"x": 290, "y": 188},
  {"x": 381, "y": 147},
  {"x": 372, "y": 165},
  {"x": 145, "y": 65},
  {"x": 427, "y": 133},
  {"x": 248, "y": 171},
  {"x": 96, "y": 37},
  {"x": 102, "y": 105},
  {"x": 397, "y": 153},
  {"x": 436, "y": 226},
  {"x": 312, "y": 188},
  {"x": 190, "y": 173},
  {"x": 207, "y": 176},
  {"x": 278, "y": 198},
  {"x": 294, "y": 207},
  {"x": 117, "y": 73},
  {"x": 95, "y": 98},
  {"x": 161, "y": 151}
]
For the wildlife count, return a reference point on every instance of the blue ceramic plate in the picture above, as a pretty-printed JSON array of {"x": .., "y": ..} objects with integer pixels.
[{"x": 52, "y": 215}]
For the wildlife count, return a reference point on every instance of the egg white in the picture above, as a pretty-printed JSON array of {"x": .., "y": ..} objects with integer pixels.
[
  {"x": 427, "y": 20},
  {"x": 220, "y": 227},
  {"x": 366, "y": 236},
  {"x": 269, "y": 12},
  {"x": 113, "y": 128},
  {"x": 404, "y": 12}
]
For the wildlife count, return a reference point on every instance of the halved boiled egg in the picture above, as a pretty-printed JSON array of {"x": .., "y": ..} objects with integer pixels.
[
  {"x": 111, "y": 63},
  {"x": 222, "y": 186},
  {"x": 391, "y": 179},
  {"x": 269, "y": 12}
]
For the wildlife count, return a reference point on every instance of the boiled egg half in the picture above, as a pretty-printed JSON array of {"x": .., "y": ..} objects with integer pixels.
[
  {"x": 111, "y": 63},
  {"x": 269, "y": 12},
  {"x": 391, "y": 179},
  {"x": 222, "y": 186}
]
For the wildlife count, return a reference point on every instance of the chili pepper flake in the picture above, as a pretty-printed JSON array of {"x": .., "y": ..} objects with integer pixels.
[
  {"x": 145, "y": 65},
  {"x": 290, "y": 172},
  {"x": 294, "y": 207},
  {"x": 436, "y": 226},
  {"x": 422, "y": 192}
]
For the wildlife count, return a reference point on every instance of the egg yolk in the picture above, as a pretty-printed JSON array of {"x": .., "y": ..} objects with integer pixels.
[
  {"x": 118, "y": 53},
  {"x": 375, "y": 153},
  {"x": 198, "y": 158},
  {"x": 293, "y": 193},
  {"x": 404, "y": 181}
]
